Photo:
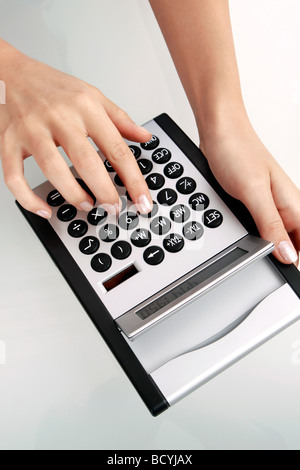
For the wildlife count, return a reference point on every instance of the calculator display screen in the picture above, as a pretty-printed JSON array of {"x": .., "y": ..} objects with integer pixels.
[{"x": 189, "y": 284}]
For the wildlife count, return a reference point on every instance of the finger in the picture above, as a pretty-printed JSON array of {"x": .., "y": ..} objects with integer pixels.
[
  {"x": 108, "y": 139},
  {"x": 261, "y": 204},
  {"x": 90, "y": 167},
  {"x": 13, "y": 172},
  {"x": 127, "y": 128},
  {"x": 58, "y": 173}
]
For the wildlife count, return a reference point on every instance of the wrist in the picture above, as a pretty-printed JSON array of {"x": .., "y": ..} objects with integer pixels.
[{"x": 217, "y": 121}]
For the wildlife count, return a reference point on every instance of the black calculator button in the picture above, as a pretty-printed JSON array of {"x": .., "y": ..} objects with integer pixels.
[
  {"x": 97, "y": 216},
  {"x": 140, "y": 237},
  {"x": 173, "y": 170},
  {"x": 108, "y": 166},
  {"x": 135, "y": 150},
  {"x": 145, "y": 166},
  {"x": 180, "y": 213},
  {"x": 128, "y": 196},
  {"x": 128, "y": 220},
  {"x": 77, "y": 228},
  {"x": 199, "y": 202},
  {"x": 86, "y": 189},
  {"x": 155, "y": 181},
  {"x": 55, "y": 199},
  {"x": 118, "y": 181},
  {"x": 152, "y": 144},
  {"x": 212, "y": 218},
  {"x": 89, "y": 245},
  {"x": 160, "y": 225},
  {"x": 154, "y": 255},
  {"x": 193, "y": 230},
  {"x": 109, "y": 233},
  {"x": 152, "y": 213},
  {"x": 186, "y": 185},
  {"x": 167, "y": 197},
  {"x": 121, "y": 250},
  {"x": 173, "y": 243},
  {"x": 66, "y": 213},
  {"x": 101, "y": 262},
  {"x": 123, "y": 200},
  {"x": 161, "y": 156}
]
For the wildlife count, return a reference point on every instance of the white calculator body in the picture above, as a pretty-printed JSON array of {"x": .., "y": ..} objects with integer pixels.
[{"x": 178, "y": 295}]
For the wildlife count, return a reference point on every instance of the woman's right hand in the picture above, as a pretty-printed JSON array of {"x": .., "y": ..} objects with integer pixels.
[{"x": 46, "y": 108}]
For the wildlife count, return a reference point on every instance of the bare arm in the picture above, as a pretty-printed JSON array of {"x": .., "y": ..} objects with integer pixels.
[{"x": 199, "y": 36}]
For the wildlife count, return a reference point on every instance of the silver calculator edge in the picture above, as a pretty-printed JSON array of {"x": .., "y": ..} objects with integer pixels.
[{"x": 216, "y": 270}]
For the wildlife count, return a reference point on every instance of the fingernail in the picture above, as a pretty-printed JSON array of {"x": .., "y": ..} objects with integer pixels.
[
  {"x": 287, "y": 251},
  {"x": 86, "y": 206},
  {"x": 44, "y": 214},
  {"x": 144, "y": 204}
]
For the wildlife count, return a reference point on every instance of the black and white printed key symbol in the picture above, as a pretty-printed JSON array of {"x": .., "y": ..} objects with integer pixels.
[
  {"x": 97, "y": 216},
  {"x": 199, "y": 202},
  {"x": 141, "y": 238},
  {"x": 186, "y": 185},
  {"x": 167, "y": 197},
  {"x": 193, "y": 230},
  {"x": 212, "y": 218},
  {"x": 154, "y": 255},
  {"x": 161, "y": 156},
  {"x": 155, "y": 181},
  {"x": 78, "y": 228},
  {"x": 121, "y": 250},
  {"x": 101, "y": 262},
  {"x": 173, "y": 170},
  {"x": 160, "y": 225},
  {"x": 109, "y": 233},
  {"x": 180, "y": 213},
  {"x": 89, "y": 245},
  {"x": 66, "y": 213},
  {"x": 173, "y": 243},
  {"x": 145, "y": 166},
  {"x": 55, "y": 199}
]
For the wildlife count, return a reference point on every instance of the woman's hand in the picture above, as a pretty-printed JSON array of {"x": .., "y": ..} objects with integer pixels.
[
  {"x": 248, "y": 172},
  {"x": 46, "y": 108}
]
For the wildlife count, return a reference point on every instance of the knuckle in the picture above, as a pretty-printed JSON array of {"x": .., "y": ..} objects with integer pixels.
[
  {"x": 84, "y": 161},
  {"x": 12, "y": 180},
  {"x": 82, "y": 98},
  {"x": 274, "y": 225},
  {"x": 135, "y": 183},
  {"x": 121, "y": 114},
  {"x": 119, "y": 152}
]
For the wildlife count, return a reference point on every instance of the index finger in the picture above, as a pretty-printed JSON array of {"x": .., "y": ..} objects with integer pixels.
[{"x": 109, "y": 140}]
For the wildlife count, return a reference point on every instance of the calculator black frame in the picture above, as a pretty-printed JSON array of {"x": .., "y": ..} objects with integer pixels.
[{"x": 142, "y": 381}]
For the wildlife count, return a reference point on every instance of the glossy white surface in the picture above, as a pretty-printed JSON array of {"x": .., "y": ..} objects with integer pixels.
[{"x": 60, "y": 387}]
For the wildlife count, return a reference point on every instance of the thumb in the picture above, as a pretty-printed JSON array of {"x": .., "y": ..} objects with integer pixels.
[{"x": 270, "y": 226}]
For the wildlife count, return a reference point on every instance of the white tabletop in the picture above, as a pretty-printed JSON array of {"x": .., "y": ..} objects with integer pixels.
[{"x": 60, "y": 387}]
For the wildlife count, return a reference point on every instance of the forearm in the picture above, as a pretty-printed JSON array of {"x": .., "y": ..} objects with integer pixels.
[{"x": 199, "y": 36}]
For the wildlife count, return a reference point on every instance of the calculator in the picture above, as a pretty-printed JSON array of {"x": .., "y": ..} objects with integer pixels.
[{"x": 143, "y": 278}]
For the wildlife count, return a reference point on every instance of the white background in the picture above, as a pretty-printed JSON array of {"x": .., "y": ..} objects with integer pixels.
[{"x": 60, "y": 387}]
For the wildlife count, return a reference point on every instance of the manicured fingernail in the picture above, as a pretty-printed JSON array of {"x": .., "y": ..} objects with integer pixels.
[
  {"x": 44, "y": 214},
  {"x": 287, "y": 251},
  {"x": 86, "y": 206},
  {"x": 144, "y": 204}
]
